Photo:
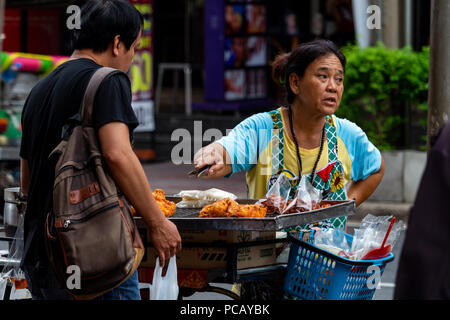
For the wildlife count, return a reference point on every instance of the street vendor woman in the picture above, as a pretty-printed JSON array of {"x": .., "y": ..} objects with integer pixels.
[{"x": 303, "y": 138}]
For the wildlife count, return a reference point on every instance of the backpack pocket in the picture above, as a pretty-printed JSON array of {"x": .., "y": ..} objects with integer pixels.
[{"x": 95, "y": 241}]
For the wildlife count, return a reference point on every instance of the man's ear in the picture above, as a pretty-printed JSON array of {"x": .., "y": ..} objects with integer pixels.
[
  {"x": 294, "y": 83},
  {"x": 116, "y": 44}
]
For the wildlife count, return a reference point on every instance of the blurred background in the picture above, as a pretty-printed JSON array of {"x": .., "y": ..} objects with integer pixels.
[{"x": 209, "y": 61}]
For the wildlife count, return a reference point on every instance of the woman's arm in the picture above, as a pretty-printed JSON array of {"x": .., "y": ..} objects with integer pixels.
[
  {"x": 239, "y": 150},
  {"x": 216, "y": 155},
  {"x": 361, "y": 190}
]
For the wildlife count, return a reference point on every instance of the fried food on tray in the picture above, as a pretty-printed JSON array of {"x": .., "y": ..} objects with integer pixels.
[
  {"x": 276, "y": 204},
  {"x": 166, "y": 206},
  {"x": 250, "y": 211},
  {"x": 230, "y": 208},
  {"x": 217, "y": 209}
]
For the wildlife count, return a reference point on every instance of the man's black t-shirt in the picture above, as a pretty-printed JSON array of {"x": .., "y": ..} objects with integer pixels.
[{"x": 50, "y": 103}]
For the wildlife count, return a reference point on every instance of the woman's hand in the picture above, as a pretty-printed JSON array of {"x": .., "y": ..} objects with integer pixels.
[
  {"x": 361, "y": 190},
  {"x": 213, "y": 154}
]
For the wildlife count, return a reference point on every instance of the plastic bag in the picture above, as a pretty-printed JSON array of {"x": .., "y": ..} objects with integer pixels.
[
  {"x": 11, "y": 270},
  {"x": 277, "y": 197},
  {"x": 3, "y": 283},
  {"x": 306, "y": 198},
  {"x": 368, "y": 236},
  {"x": 278, "y": 200},
  {"x": 199, "y": 198},
  {"x": 332, "y": 240},
  {"x": 371, "y": 233},
  {"x": 165, "y": 288}
]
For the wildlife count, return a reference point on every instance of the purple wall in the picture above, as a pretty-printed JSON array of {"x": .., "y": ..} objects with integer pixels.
[{"x": 214, "y": 49}]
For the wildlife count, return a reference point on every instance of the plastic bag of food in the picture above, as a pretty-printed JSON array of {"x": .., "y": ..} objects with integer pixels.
[
  {"x": 371, "y": 233},
  {"x": 200, "y": 198},
  {"x": 306, "y": 198},
  {"x": 277, "y": 197}
]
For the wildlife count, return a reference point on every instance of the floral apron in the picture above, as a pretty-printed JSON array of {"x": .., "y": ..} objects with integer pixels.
[{"x": 329, "y": 179}]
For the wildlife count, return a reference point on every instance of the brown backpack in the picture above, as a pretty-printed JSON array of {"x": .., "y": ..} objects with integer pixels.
[{"x": 91, "y": 227}]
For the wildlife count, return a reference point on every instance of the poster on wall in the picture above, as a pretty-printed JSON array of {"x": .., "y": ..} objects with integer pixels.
[
  {"x": 141, "y": 71},
  {"x": 245, "y": 50},
  {"x": 256, "y": 52},
  {"x": 234, "y": 19},
  {"x": 256, "y": 18},
  {"x": 235, "y": 84},
  {"x": 256, "y": 83},
  {"x": 235, "y": 52}
]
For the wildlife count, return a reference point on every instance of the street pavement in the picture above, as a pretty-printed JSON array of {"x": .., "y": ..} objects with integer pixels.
[{"x": 173, "y": 178}]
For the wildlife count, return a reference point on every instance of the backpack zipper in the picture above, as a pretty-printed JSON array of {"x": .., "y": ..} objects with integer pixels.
[{"x": 69, "y": 222}]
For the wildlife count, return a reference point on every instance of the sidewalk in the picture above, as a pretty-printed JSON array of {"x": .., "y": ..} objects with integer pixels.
[{"x": 173, "y": 178}]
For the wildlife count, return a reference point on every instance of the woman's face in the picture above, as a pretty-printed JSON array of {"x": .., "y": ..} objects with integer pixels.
[{"x": 320, "y": 89}]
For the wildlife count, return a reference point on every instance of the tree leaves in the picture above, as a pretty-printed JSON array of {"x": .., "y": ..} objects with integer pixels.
[{"x": 379, "y": 84}]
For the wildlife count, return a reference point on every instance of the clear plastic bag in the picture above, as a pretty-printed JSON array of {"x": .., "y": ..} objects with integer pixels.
[
  {"x": 11, "y": 270},
  {"x": 368, "y": 236},
  {"x": 307, "y": 197},
  {"x": 165, "y": 288},
  {"x": 3, "y": 283},
  {"x": 200, "y": 198},
  {"x": 332, "y": 240},
  {"x": 277, "y": 197},
  {"x": 371, "y": 233}
]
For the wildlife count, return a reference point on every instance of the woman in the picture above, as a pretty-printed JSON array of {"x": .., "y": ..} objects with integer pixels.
[{"x": 303, "y": 138}]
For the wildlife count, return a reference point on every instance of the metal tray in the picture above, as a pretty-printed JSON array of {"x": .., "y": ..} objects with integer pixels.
[{"x": 189, "y": 219}]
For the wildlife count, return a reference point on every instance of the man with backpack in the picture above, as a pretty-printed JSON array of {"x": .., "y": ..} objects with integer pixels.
[{"x": 110, "y": 32}]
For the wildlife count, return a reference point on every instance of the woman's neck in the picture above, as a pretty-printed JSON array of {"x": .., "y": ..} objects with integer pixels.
[
  {"x": 306, "y": 123},
  {"x": 308, "y": 128}
]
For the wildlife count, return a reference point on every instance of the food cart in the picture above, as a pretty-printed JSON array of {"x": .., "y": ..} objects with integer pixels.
[{"x": 232, "y": 250}]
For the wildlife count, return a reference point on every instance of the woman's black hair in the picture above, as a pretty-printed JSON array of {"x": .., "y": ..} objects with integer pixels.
[
  {"x": 299, "y": 59},
  {"x": 102, "y": 20}
]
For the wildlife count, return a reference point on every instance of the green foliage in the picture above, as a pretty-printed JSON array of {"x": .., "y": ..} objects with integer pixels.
[{"x": 385, "y": 91}]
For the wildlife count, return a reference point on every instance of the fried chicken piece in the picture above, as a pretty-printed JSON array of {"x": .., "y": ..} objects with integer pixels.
[
  {"x": 250, "y": 211},
  {"x": 324, "y": 205},
  {"x": 166, "y": 206},
  {"x": 230, "y": 208},
  {"x": 159, "y": 194},
  {"x": 218, "y": 208}
]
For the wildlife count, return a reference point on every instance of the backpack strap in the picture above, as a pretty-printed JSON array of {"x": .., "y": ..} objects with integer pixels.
[{"x": 91, "y": 90}]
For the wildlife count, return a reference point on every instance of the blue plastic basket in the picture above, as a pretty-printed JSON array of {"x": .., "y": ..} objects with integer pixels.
[{"x": 316, "y": 274}]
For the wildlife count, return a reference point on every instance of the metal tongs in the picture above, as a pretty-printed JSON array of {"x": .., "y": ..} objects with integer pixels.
[{"x": 198, "y": 173}]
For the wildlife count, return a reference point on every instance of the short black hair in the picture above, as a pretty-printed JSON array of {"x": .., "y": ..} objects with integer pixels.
[
  {"x": 298, "y": 60},
  {"x": 102, "y": 20}
]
